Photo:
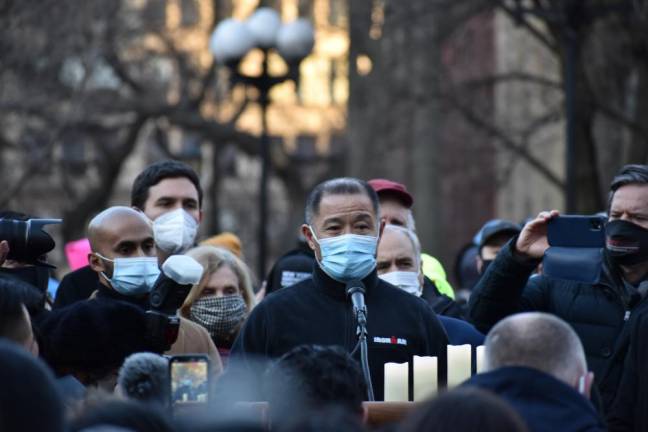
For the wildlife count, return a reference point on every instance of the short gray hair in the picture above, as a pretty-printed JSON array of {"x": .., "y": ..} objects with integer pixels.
[
  {"x": 539, "y": 341},
  {"x": 412, "y": 237},
  {"x": 145, "y": 377}
]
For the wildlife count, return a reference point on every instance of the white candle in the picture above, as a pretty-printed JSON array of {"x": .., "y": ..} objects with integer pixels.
[
  {"x": 459, "y": 364},
  {"x": 396, "y": 382},
  {"x": 425, "y": 377},
  {"x": 481, "y": 358}
]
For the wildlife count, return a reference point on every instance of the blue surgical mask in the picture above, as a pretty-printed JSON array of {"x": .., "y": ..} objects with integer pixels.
[
  {"x": 133, "y": 276},
  {"x": 347, "y": 257}
]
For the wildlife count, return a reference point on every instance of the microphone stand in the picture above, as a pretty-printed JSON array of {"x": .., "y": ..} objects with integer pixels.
[
  {"x": 361, "y": 317},
  {"x": 360, "y": 312}
]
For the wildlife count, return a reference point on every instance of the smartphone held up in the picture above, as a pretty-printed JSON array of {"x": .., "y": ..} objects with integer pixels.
[
  {"x": 576, "y": 245},
  {"x": 189, "y": 379}
]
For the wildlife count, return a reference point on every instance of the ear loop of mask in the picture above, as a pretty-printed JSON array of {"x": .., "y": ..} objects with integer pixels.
[
  {"x": 316, "y": 241},
  {"x": 581, "y": 385},
  {"x": 102, "y": 273}
]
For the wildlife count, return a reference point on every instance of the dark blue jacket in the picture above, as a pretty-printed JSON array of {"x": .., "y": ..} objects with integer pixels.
[
  {"x": 601, "y": 314},
  {"x": 545, "y": 403},
  {"x": 460, "y": 332}
]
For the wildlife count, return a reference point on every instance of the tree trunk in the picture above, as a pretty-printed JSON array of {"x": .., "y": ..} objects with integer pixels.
[
  {"x": 77, "y": 215},
  {"x": 394, "y": 112}
]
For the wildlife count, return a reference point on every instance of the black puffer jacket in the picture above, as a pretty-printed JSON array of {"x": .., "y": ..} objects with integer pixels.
[
  {"x": 599, "y": 313},
  {"x": 630, "y": 409}
]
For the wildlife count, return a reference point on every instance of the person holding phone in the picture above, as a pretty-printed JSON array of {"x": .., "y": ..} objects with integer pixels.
[{"x": 600, "y": 313}]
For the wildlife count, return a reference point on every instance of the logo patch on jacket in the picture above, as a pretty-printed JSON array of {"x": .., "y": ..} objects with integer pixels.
[{"x": 390, "y": 340}]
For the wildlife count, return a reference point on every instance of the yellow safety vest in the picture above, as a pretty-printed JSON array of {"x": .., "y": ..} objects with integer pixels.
[{"x": 433, "y": 269}]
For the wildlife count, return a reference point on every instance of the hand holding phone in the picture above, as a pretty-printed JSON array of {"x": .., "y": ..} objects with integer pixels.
[{"x": 532, "y": 241}]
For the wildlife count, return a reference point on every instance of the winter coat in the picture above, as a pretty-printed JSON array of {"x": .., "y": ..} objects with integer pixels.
[
  {"x": 598, "y": 313},
  {"x": 317, "y": 311},
  {"x": 630, "y": 409},
  {"x": 192, "y": 337},
  {"x": 544, "y": 403}
]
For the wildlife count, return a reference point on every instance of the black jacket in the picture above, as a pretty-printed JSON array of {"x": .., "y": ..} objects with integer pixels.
[
  {"x": 76, "y": 286},
  {"x": 441, "y": 303},
  {"x": 545, "y": 403},
  {"x": 460, "y": 332},
  {"x": 598, "y": 313},
  {"x": 630, "y": 409},
  {"x": 316, "y": 311},
  {"x": 291, "y": 268}
]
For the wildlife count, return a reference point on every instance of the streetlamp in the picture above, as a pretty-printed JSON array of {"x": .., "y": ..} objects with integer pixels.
[
  {"x": 572, "y": 16},
  {"x": 230, "y": 42}
]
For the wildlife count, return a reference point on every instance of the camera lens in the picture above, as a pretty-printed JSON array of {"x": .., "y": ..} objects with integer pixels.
[{"x": 596, "y": 224}]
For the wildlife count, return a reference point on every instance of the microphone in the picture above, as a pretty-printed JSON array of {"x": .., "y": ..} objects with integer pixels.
[
  {"x": 179, "y": 273},
  {"x": 355, "y": 290}
]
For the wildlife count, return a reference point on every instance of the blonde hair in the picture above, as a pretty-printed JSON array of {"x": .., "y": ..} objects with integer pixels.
[{"x": 213, "y": 258}]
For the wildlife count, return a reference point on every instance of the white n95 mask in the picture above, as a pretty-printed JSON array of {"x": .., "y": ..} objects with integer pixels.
[
  {"x": 175, "y": 231},
  {"x": 406, "y": 280}
]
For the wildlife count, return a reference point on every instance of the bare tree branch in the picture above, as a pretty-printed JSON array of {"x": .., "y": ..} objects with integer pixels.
[
  {"x": 508, "y": 143},
  {"x": 505, "y": 78},
  {"x": 207, "y": 82},
  {"x": 522, "y": 21}
]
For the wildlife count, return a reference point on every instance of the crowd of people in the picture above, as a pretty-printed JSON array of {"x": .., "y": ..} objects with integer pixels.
[{"x": 285, "y": 351}]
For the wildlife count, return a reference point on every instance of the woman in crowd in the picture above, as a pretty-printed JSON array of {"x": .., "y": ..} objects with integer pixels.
[{"x": 223, "y": 298}]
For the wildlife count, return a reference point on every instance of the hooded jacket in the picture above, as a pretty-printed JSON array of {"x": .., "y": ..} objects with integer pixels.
[
  {"x": 545, "y": 403},
  {"x": 317, "y": 311}
]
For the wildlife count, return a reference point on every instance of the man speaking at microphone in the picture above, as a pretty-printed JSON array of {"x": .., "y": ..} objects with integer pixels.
[{"x": 343, "y": 228}]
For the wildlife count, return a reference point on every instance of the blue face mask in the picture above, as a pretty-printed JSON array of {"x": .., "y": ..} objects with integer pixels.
[
  {"x": 347, "y": 257},
  {"x": 133, "y": 276}
]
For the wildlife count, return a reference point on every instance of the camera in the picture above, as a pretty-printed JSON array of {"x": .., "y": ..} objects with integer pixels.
[
  {"x": 28, "y": 241},
  {"x": 179, "y": 274}
]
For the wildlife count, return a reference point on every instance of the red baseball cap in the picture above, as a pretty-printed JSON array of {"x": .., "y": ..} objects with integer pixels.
[{"x": 384, "y": 187}]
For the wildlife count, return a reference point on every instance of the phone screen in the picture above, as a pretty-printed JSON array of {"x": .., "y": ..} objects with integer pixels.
[{"x": 189, "y": 380}]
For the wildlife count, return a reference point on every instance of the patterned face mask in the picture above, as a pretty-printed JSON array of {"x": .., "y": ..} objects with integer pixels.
[{"x": 221, "y": 316}]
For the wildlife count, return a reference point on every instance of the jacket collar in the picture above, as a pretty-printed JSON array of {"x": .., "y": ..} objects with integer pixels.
[
  {"x": 103, "y": 292},
  {"x": 337, "y": 290},
  {"x": 525, "y": 380},
  {"x": 535, "y": 394}
]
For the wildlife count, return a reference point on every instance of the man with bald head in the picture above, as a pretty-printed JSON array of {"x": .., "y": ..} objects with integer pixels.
[
  {"x": 124, "y": 255},
  {"x": 536, "y": 362},
  {"x": 169, "y": 194}
]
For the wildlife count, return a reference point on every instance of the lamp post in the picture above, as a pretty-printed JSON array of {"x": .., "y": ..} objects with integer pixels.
[
  {"x": 572, "y": 16},
  {"x": 230, "y": 42}
]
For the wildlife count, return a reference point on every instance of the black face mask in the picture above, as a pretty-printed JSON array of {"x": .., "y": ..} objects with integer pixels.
[
  {"x": 485, "y": 265},
  {"x": 626, "y": 243},
  {"x": 37, "y": 276}
]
